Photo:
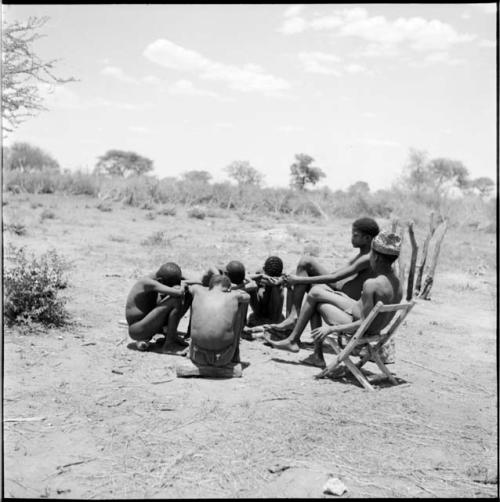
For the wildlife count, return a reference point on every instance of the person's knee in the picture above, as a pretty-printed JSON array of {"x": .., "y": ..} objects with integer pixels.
[
  {"x": 316, "y": 292},
  {"x": 137, "y": 334}
]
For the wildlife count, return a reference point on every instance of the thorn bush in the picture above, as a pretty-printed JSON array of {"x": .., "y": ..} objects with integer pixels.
[{"x": 32, "y": 288}]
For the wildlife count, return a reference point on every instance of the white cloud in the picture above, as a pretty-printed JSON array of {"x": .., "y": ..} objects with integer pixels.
[
  {"x": 489, "y": 44},
  {"x": 139, "y": 129},
  {"x": 443, "y": 57},
  {"x": 320, "y": 62},
  {"x": 118, "y": 74},
  {"x": 293, "y": 25},
  {"x": 293, "y": 11},
  {"x": 419, "y": 33},
  {"x": 488, "y": 8},
  {"x": 290, "y": 128},
  {"x": 244, "y": 78},
  {"x": 224, "y": 125},
  {"x": 355, "y": 68},
  {"x": 369, "y": 115},
  {"x": 380, "y": 142},
  {"x": 187, "y": 87}
]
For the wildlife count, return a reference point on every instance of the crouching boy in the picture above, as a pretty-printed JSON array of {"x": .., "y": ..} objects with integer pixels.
[{"x": 217, "y": 319}]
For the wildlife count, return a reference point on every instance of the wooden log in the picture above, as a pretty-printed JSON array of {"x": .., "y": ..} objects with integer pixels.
[
  {"x": 431, "y": 269},
  {"x": 413, "y": 262},
  {"x": 423, "y": 256}
]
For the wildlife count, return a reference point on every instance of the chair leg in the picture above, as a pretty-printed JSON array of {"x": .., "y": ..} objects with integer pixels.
[
  {"x": 358, "y": 374},
  {"x": 383, "y": 368}
]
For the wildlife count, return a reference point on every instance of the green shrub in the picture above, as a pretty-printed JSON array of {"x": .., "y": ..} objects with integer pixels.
[
  {"x": 32, "y": 288},
  {"x": 104, "y": 206}
]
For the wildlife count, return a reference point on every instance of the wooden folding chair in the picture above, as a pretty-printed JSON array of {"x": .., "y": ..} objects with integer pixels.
[{"x": 371, "y": 342}]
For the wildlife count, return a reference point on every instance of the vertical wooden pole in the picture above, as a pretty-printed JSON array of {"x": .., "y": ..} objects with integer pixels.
[
  {"x": 413, "y": 261},
  {"x": 423, "y": 256},
  {"x": 429, "y": 279}
]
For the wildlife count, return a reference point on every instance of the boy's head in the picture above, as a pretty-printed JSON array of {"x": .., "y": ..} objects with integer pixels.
[
  {"x": 363, "y": 231},
  {"x": 386, "y": 246},
  {"x": 169, "y": 274},
  {"x": 217, "y": 279},
  {"x": 273, "y": 266},
  {"x": 235, "y": 270}
]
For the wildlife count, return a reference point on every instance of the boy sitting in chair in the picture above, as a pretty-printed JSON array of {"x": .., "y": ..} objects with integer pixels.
[{"x": 342, "y": 313}]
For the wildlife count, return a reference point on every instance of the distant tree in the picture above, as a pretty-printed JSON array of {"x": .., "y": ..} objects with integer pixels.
[
  {"x": 26, "y": 157},
  {"x": 22, "y": 71},
  {"x": 121, "y": 163},
  {"x": 447, "y": 172},
  {"x": 243, "y": 173},
  {"x": 301, "y": 172},
  {"x": 359, "y": 188},
  {"x": 197, "y": 176},
  {"x": 484, "y": 185},
  {"x": 416, "y": 174}
]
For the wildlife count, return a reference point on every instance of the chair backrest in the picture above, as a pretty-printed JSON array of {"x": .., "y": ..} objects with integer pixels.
[{"x": 402, "y": 310}]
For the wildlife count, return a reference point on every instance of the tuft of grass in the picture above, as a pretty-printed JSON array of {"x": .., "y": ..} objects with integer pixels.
[
  {"x": 47, "y": 214},
  {"x": 117, "y": 238},
  {"x": 156, "y": 239},
  {"x": 104, "y": 206},
  {"x": 16, "y": 228},
  {"x": 150, "y": 215},
  {"x": 169, "y": 210}
]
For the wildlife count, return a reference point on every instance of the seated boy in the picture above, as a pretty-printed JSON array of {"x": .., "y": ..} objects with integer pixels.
[
  {"x": 311, "y": 272},
  {"x": 217, "y": 319},
  {"x": 235, "y": 270},
  {"x": 156, "y": 302},
  {"x": 343, "y": 314},
  {"x": 267, "y": 299}
]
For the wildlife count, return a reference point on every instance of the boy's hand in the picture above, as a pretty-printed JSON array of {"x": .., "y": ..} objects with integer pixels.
[
  {"x": 319, "y": 334},
  {"x": 291, "y": 279},
  {"x": 270, "y": 281}
]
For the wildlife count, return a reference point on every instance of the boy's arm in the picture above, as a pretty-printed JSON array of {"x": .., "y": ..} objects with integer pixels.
[
  {"x": 243, "y": 296},
  {"x": 153, "y": 285},
  {"x": 361, "y": 264}
]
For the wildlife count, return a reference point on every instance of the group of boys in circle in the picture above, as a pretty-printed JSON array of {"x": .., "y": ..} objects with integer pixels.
[{"x": 333, "y": 302}]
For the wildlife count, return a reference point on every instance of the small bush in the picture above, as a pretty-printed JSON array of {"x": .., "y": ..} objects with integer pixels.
[
  {"x": 168, "y": 210},
  {"x": 36, "y": 205},
  {"x": 47, "y": 214},
  {"x": 117, "y": 238},
  {"x": 156, "y": 239},
  {"x": 16, "y": 228},
  {"x": 104, "y": 206},
  {"x": 32, "y": 287},
  {"x": 197, "y": 212},
  {"x": 150, "y": 215}
]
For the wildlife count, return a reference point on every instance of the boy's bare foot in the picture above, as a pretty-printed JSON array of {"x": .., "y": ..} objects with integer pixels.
[
  {"x": 287, "y": 325},
  {"x": 282, "y": 344},
  {"x": 314, "y": 360},
  {"x": 175, "y": 348},
  {"x": 142, "y": 346}
]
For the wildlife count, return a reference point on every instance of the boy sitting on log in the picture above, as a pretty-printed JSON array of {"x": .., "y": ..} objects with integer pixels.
[{"x": 217, "y": 319}]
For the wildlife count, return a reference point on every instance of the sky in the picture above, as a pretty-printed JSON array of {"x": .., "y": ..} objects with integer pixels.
[{"x": 195, "y": 87}]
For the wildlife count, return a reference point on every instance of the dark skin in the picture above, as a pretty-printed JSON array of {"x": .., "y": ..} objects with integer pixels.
[
  {"x": 310, "y": 272},
  {"x": 332, "y": 306},
  {"x": 266, "y": 299},
  {"x": 216, "y": 332},
  {"x": 151, "y": 306}
]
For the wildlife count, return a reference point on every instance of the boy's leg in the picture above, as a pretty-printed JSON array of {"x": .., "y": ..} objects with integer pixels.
[
  {"x": 308, "y": 266},
  {"x": 316, "y": 358},
  {"x": 318, "y": 294},
  {"x": 152, "y": 323},
  {"x": 172, "y": 338}
]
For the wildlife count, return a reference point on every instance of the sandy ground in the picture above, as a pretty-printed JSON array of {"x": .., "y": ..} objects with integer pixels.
[{"x": 87, "y": 417}]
